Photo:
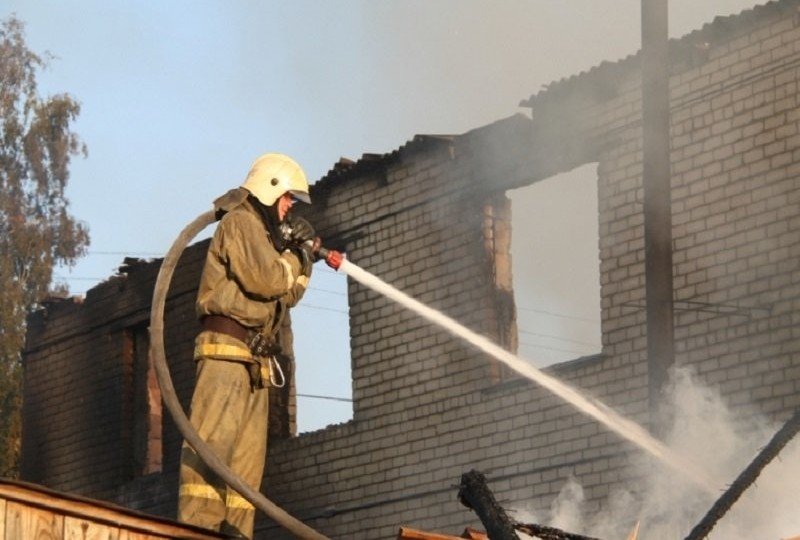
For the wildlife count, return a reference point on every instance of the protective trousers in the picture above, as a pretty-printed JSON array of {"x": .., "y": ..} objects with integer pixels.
[{"x": 232, "y": 418}]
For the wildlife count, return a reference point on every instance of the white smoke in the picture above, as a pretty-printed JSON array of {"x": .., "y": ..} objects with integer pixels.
[
  {"x": 668, "y": 507},
  {"x": 567, "y": 508}
]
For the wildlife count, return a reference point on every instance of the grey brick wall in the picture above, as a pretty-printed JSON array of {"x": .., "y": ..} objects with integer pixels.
[{"x": 428, "y": 408}]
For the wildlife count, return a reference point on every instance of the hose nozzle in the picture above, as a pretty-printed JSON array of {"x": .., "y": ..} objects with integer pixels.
[{"x": 331, "y": 257}]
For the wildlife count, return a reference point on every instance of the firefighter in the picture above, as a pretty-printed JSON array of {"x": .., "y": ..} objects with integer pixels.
[{"x": 257, "y": 267}]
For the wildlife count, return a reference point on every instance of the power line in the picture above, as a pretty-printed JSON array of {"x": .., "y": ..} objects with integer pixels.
[
  {"x": 327, "y": 270},
  {"x": 337, "y": 293},
  {"x": 320, "y": 289},
  {"x": 129, "y": 253},
  {"x": 86, "y": 278},
  {"x": 562, "y": 315},
  {"x": 551, "y": 348},
  {"x": 155, "y": 254},
  {"x": 299, "y": 306},
  {"x": 78, "y": 278},
  {"x": 331, "y": 398},
  {"x": 549, "y": 336},
  {"x": 322, "y": 308}
]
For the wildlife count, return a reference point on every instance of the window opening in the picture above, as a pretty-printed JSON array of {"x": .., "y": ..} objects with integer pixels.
[
  {"x": 321, "y": 327},
  {"x": 142, "y": 434},
  {"x": 556, "y": 267}
]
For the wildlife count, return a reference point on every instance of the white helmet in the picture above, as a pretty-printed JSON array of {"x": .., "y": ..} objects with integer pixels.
[{"x": 272, "y": 175}]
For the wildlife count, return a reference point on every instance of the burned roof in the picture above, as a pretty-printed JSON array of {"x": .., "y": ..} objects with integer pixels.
[{"x": 345, "y": 168}]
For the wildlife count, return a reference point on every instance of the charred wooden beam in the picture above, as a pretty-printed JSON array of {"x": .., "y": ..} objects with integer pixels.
[
  {"x": 747, "y": 477},
  {"x": 549, "y": 533},
  {"x": 475, "y": 494}
]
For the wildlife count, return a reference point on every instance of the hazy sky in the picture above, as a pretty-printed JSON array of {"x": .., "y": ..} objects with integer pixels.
[{"x": 179, "y": 97}]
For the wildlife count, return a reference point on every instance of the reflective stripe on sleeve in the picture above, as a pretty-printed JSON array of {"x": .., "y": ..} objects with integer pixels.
[
  {"x": 288, "y": 268},
  {"x": 302, "y": 281}
]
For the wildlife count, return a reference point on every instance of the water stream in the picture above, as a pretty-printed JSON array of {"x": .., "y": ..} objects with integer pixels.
[{"x": 624, "y": 427}]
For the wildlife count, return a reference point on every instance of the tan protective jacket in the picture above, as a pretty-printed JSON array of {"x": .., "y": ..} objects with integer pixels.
[{"x": 244, "y": 277}]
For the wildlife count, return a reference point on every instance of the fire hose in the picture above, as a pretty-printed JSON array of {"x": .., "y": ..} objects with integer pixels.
[{"x": 283, "y": 518}]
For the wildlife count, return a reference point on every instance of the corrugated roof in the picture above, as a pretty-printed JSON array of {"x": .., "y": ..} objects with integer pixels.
[{"x": 720, "y": 30}]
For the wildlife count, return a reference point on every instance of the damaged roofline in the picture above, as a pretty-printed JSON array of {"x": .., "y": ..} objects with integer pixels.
[{"x": 686, "y": 52}]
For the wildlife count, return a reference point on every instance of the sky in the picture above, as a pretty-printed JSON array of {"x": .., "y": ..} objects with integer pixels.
[{"x": 178, "y": 98}]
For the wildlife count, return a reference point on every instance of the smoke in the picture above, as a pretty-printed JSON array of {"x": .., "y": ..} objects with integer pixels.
[
  {"x": 567, "y": 508},
  {"x": 668, "y": 507}
]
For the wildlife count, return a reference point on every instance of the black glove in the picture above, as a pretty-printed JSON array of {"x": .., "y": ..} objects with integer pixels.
[
  {"x": 301, "y": 230},
  {"x": 304, "y": 255}
]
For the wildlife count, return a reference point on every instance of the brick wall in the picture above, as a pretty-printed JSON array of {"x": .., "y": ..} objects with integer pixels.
[
  {"x": 428, "y": 218},
  {"x": 81, "y": 413}
]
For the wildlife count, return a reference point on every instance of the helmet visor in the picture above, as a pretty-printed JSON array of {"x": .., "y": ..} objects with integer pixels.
[{"x": 300, "y": 196}]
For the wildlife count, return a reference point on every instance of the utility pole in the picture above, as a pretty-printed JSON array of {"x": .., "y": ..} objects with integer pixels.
[{"x": 657, "y": 202}]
